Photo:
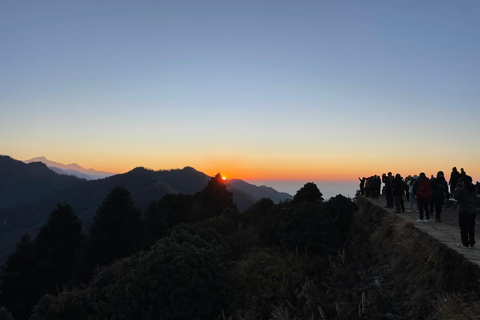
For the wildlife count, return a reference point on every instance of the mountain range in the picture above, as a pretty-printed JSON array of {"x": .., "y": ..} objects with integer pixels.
[
  {"x": 30, "y": 191},
  {"x": 72, "y": 169}
]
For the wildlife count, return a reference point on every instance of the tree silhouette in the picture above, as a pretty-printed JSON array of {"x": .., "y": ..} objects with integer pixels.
[
  {"x": 5, "y": 315},
  {"x": 181, "y": 277},
  {"x": 340, "y": 209},
  {"x": 156, "y": 221},
  {"x": 308, "y": 193},
  {"x": 43, "y": 265},
  {"x": 116, "y": 231},
  {"x": 57, "y": 244},
  {"x": 20, "y": 286},
  {"x": 177, "y": 207},
  {"x": 212, "y": 200}
]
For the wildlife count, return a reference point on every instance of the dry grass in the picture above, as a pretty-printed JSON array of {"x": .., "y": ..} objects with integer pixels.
[{"x": 428, "y": 280}]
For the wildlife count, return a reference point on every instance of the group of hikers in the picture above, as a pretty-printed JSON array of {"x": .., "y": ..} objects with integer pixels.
[{"x": 430, "y": 195}]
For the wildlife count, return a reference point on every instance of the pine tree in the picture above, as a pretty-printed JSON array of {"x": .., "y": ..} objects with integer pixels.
[
  {"x": 43, "y": 265},
  {"x": 20, "y": 286},
  {"x": 57, "y": 244},
  {"x": 116, "y": 231},
  {"x": 156, "y": 221},
  {"x": 212, "y": 200}
]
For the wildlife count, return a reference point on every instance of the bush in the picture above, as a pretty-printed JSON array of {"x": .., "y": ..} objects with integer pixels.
[
  {"x": 182, "y": 277},
  {"x": 341, "y": 209},
  {"x": 303, "y": 227},
  {"x": 308, "y": 193},
  {"x": 5, "y": 315}
]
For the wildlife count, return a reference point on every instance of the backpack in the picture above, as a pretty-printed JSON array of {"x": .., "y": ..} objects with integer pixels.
[
  {"x": 424, "y": 189},
  {"x": 438, "y": 187}
]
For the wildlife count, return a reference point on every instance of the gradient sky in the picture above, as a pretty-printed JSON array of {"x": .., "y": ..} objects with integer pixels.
[{"x": 256, "y": 90}]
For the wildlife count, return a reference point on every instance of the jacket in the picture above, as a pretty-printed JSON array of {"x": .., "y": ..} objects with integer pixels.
[
  {"x": 467, "y": 200},
  {"x": 439, "y": 188}
]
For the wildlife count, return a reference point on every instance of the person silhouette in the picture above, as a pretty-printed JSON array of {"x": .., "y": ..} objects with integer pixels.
[
  {"x": 454, "y": 176},
  {"x": 467, "y": 197},
  {"x": 439, "y": 194}
]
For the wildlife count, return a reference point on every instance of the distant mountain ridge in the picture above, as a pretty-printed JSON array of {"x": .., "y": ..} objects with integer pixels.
[
  {"x": 259, "y": 192},
  {"x": 22, "y": 183},
  {"x": 29, "y": 192},
  {"x": 72, "y": 169}
]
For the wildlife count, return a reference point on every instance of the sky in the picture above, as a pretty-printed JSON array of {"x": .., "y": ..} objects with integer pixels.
[{"x": 255, "y": 90}]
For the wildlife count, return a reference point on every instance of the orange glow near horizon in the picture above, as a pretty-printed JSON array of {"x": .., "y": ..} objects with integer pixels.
[
  {"x": 281, "y": 168},
  {"x": 280, "y": 171}
]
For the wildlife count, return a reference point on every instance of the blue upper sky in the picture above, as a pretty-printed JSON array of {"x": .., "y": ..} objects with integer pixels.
[{"x": 237, "y": 85}]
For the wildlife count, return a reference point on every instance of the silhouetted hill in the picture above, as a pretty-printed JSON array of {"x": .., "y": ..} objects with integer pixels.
[
  {"x": 259, "y": 192},
  {"x": 29, "y": 192},
  {"x": 22, "y": 183}
]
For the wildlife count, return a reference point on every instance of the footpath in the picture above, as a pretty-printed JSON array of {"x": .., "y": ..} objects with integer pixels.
[{"x": 447, "y": 231}]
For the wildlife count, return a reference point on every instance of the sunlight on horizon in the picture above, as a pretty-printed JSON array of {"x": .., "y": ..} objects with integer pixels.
[{"x": 317, "y": 90}]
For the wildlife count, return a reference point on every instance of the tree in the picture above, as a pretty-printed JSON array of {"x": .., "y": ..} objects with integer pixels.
[
  {"x": 340, "y": 210},
  {"x": 57, "y": 244},
  {"x": 5, "y": 315},
  {"x": 43, "y": 265},
  {"x": 181, "y": 277},
  {"x": 116, "y": 231},
  {"x": 308, "y": 193},
  {"x": 20, "y": 286},
  {"x": 156, "y": 221},
  {"x": 177, "y": 208},
  {"x": 212, "y": 200}
]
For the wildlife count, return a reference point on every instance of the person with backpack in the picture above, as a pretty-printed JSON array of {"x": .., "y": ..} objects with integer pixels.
[
  {"x": 423, "y": 193},
  {"x": 398, "y": 190},
  {"x": 439, "y": 194},
  {"x": 388, "y": 180},
  {"x": 454, "y": 177},
  {"x": 467, "y": 197},
  {"x": 367, "y": 187},
  {"x": 375, "y": 185}
]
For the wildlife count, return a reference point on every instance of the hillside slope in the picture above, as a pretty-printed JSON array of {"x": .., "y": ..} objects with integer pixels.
[
  {"x": 259, "y": 192},
  {"x": 22, "y": 183},
  {"x": 29, "y": 192}
]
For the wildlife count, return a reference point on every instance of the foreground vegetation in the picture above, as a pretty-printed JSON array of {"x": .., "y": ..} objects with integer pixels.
[
  {"x": 198, "y": 257},
  {"x": 186, "y": 257}
]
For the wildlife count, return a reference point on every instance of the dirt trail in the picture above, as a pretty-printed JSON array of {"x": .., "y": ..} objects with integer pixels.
[{"x": 447, "y": 232}]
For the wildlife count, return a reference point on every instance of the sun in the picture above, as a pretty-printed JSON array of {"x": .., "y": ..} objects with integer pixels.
[{"x": 224, "y": 178}]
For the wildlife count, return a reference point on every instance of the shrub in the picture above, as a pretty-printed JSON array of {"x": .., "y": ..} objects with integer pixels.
[
  {"x": 182, "y": 277},
  {"x": 5, "y": 315}
]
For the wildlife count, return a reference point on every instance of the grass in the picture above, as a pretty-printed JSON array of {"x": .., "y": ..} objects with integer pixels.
[{"x": 427, "y": 279}]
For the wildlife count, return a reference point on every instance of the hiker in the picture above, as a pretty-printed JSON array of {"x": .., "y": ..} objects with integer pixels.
[
  {"x": 467, "y": 197},
  {"x": 439, "y": 194},
  {"x": 462, "y": 176},
  {"x": 367, "y": 187},
  {"x": 362, "y": 185},
  {"x": 410, "y": 183},
  {"x": 423, "y": 192},
  {"x": 397, "y": 192},
  {"x": 375, "y": 185},
  {"x": 454, "y": 176},
  {"x": 387, "y": 180},
  {"x": 407, "y": 188}
]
